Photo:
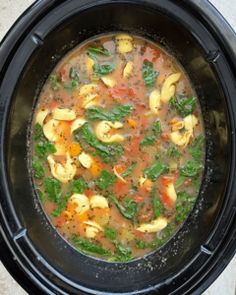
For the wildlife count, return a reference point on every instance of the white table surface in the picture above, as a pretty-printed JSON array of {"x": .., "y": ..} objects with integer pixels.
[{"x": 9, "y": 12}]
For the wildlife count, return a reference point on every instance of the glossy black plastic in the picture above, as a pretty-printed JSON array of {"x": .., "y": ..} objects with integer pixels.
[{"x": 40, "y": 259}]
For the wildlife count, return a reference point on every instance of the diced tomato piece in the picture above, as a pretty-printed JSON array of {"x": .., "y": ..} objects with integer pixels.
[
  {"x": 165, "y": 136},
  {"x": 89, "y": 192},
  {"x": 138, "y": 199}
]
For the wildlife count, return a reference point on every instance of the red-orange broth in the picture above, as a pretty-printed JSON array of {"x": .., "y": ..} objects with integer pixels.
[{"x": 118, "y": 147}]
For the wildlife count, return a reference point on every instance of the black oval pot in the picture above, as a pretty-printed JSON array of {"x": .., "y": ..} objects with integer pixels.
[{"x": 34, "y": 253}]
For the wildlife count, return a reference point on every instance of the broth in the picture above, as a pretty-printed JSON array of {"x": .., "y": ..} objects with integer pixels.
[{"x": 117, "y": 147}]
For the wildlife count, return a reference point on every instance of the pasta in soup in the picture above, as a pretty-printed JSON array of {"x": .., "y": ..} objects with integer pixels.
[{"x": 117, "y": 147}]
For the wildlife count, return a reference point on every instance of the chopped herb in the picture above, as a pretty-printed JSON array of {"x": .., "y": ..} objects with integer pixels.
[
  {"x": 93, "y": 52},
  {"x": 105, "y": 69},
  {"x": 156, "y": 170},
  {"x": 156, "y": 128},
  {"x": 174, "y": 152},
  {"x": 157, "y": 206},
  {"x": 123, "y": 252},
  {"x": 41, "y": 195},
  {"x": 148, "y": 140},
  {"x": 140, "y": 244},
  {"x": 38, "y": 169},
  {"x": 53, "y": 189},
  {"x": 38, "y": 132},
  {"x": 149, "y": 74},
  {"x": 110, "y": 233},
  {"x": 166, "y": 233},
  {"x": 196, "y": 148},
  {"x": 184, "y": 205},
  {"x": 55, "y": 82},
  {"x": 43, "y": 149},
  {"x": 117, "y": 113},
  {"x": 89, "y": 247},
  {"x": 129, "y": 170},
  {"x": 191, "y": 169},
  {"x": 108, "y": 152},
  {"x": 151, "y": 134},
  {"x": 183, "y": 105},
  {"x": 74, "y": 75},
  {"x": 105, "y": 180},
  {"x": 71, "y": 85},
  {"x": 79, "y": 185},
  {"x": 61, "y": 205},
  {"x": 128, "y": 210}
]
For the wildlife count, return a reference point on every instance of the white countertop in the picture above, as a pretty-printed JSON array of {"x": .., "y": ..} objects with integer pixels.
[{"x": 9, "y": 12}]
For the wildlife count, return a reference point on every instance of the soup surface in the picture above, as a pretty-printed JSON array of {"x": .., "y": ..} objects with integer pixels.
[{"x": 117, "y": 147}]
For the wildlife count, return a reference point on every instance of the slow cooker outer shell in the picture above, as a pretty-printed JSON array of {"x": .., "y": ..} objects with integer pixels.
[{"x": 34, "y": 266}]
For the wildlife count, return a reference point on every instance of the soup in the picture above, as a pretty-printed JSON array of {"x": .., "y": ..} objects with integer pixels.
[{"x": 117, "y": 147}]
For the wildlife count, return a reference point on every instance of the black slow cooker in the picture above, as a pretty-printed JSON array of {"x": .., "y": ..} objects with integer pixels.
[{"x": 31, "y": 249}]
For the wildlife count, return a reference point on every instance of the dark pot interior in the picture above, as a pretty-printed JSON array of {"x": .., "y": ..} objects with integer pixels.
[{"x": 181, "y": 264}]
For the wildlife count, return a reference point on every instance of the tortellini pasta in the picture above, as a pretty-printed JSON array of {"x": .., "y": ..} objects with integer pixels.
[
  {"x": 155, "y": 101},
  {"x": 168, "y": 88},
  {"x": 124, "y": 43},
  {"x": 41, "y": 116},
  {"x": 63, "y": 114},
  {"x": 154, "y": 226},
  {"x": 103, "y": 128}
]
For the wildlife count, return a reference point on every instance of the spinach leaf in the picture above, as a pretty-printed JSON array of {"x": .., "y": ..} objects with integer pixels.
[
  {"x": 128, "y": 210},
  {"x": 79, "y": 185},
  {"x": 140, "y": 244},
  {"x": 183, "y": 105},
  {"x": 180, "y": 181},
  {"x": 129, "y": 170},
  {"x": 184, "y": 205},
  {"x": 71, "y": 85},
  {"x": 196, "y": 148},
  {"x": 155, "y": 171},
  {"x": 38, "y": 132},
  {"x": 148, "y": 140},
  {"x": 41, "y": 195},
  {"x": 123, "y": 252},
  {"x": 104, "y": 69},
  {"x": 53, "y": 189},
  {"x": 89, "y": 247},
  {"x": 94, "y": 51},
  {"x": 174, "y": 152},
  {"x": 61, "y": 205},
  {"x": 105, "y": 180},
  {"x": 55, "y": 82},
  {"x": 110, "y": 233},
  {"x": 108, "y": 152},
  {"x": 43, "y": 149},
  {"x": 117, "y": 113},
  {"x": 191, "y": 169},
  {"x": 156, "y": 203},
  {"x": 74, "y": 75},
  {"x": 149, "y": 74},
  {"x": 156, "y": 128},
  {"x": 166, "y": 233},
  {"x": 38, "y": 169}
]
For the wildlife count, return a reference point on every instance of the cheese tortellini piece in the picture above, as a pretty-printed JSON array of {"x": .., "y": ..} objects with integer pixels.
[
  {"x": 98, "y": 201},
  {"x": 63, "y": 172},
  {"x": 155, "y": 101},
  {"x": 79, "y": 203},
  {"x": 181, "y": 139},
  {"x": 108, "y": 81},
  {"x": 63, "y": 114},
  {"x": 89, "y": 92},
  {"x": 89, "y": 65},
  {"x": 103, "y": 128},
  {"x": 92, "y": 229},
  {"x": 85, "y": 160},
  {"x": 128, "y": 69},
  {"x": 77, "y": 124},
  {"x": 168, "y": 88},
  {"x": 154, "y": 226},
  {"x": 41, "y": 116},
  {"x": 124, "y": 43},
  {"x": 50, "y": 130}
]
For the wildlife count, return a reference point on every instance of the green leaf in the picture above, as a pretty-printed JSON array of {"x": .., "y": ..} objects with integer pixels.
[
  {"x": 71, "y": 85},
  {"x": 41, "y": 195},
  {"x": 155, "y": 171},
  {"x": 38, "y": 169},
  {"x": 43, "y": 149},
  {"x": 156, "y": 203},
  {"x": 89, "y": 247},
  {"x": 74, "y": 75},
  {"x": 104, "y": 69},
  {"x": 38, "y": 132},
  {"x": 183, "y": 105},
  {"x": 191, "y": 169},
  {"x": 110, "y": 233},
  {"x": 128, "y": 210},
  {"x": 180, "y": 181},
  {"x": 53, "y": 189},
  {"x": 117, "y": 113},
  {"x": 108, "y": 152},
  {"x": 196, "y": 148},
  {"x": 61, "y": 205},
  {"x": 149, "y": 74},
  {"x": 184, "y": 205},
  {"x": 93, "y": 52},
  {"x": 148, "y": 140},
  {"x": 123, "y": 251},
  {"x": 55, "y": 82},
  {"x": 174, "y": 152},
  {"x": 156, "y": 128},
  {"x": 105, "y": 180},
  {"x": 166, "y": 233},
  {"x": 140, "y": 244},
  {"x": 79, "y": 185},
  {"x": 129, "y": 170}
]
